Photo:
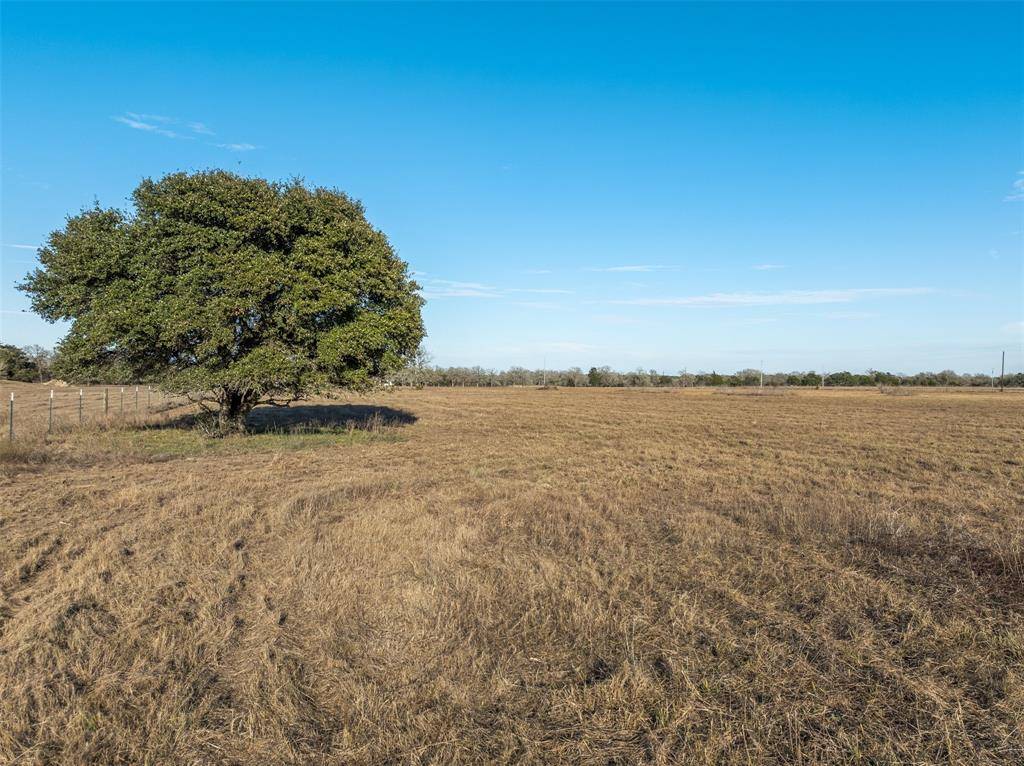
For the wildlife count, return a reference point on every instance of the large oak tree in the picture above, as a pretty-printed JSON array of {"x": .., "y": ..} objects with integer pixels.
[{"x": 237, "y": 290}]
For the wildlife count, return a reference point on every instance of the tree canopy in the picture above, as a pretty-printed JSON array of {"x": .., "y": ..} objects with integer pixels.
[
  {"x": 15, "y": 364},
  {"x": 239, "y": 289}
]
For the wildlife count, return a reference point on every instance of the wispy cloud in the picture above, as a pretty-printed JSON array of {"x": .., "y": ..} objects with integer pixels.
[
  {"x": 21, "y": 247},
  {"x": 540, "y": 290},
  {"x": 448, "y": 288},
  {"x": 151, "y": 117},
  {"x": 1017, "y": 195},
  {"x": 616, "y": 319},
  {"x": 767, "y": 267},
  {"x": 173, "y": 127},
  {"x": 537, "y": 271},
  {"x": 851, "y": 315},
  {"x": 783, "y": 298},
  {"x": 633, "y": 268},
  {"x": 135, "y": 122},
  {"x": 538, "y": 305}
]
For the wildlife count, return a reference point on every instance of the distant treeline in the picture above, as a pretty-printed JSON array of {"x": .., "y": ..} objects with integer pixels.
[
  {"x": 35, "y": 364},
  {"x": 606, "y": 376}
]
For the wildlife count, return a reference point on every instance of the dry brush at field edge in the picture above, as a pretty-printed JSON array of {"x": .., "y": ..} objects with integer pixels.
[{"x": 531, "y": 576}]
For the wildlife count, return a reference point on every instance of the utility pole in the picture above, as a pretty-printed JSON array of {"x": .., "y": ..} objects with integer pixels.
[
  {"x": 762, "y": 374},
  {"x": 1002, "y": 371},
  {"x": 544, "y": 372}
]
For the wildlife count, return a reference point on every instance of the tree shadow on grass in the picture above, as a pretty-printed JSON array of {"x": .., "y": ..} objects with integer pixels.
[
  {"x": 326, "y": 417},
  {"x": 300, "y": 419}
]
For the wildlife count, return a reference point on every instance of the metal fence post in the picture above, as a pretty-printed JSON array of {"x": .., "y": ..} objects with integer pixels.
[
  {"x": 49, "y": 424},
  {"x": 10, "y": 419},
  {"x": 136, "y": 402},
  {"x": 122, "y": 403},
  {"x": 106, "y": 402},
  {"x": 80, "y": 395}
]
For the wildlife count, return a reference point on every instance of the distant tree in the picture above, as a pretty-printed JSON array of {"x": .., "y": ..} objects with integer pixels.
[
  {"x": 594, "y": 377},
  {"x": 42, "y": 359},
  {"x": 416, "y": 371},
  {"x": 842, "y": 378},
  {"x": 573, "y": 377},
  {"x": 685, "y": 378},
  {"x": 16, "y": 365},
  {"x": 747, "y": 377},
  {"x": 238, "y": 290}
]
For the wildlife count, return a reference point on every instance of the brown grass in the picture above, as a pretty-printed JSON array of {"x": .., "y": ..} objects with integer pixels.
[{"x": 569, "y": 576}]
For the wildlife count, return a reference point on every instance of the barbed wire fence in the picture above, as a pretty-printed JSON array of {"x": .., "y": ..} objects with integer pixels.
[{"x": 37, "y": 410}]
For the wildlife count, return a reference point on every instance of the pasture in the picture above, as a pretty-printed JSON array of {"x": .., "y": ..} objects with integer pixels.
[{"x": 519, "y": 575}]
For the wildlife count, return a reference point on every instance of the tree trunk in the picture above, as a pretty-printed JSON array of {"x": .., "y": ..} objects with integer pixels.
[{"x": 235, "y": 407}]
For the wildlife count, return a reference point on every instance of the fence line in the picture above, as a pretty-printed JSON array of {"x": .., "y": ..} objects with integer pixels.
[{"x": 32, "y": 410}]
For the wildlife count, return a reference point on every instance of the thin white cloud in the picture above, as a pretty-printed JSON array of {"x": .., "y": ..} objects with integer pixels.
[
  {"x": 21, "y": 247},
  {"x": 1017, "y": 195},
  {"x": 539, "y": 305},
  {"x": 173, "y": 127},
  {"x": 851, "y": 315},
  {"x": 448, "y": 288},
  {"x": 632, "y": 268},
  {"x": 537, "y": 271},
  {"x": 150, "y": 117},
  {"x": 131, "y": 120},
  {"x": 541, "y": 290},
  {"x": 466, "y": 285},
  {"x": 616, "y": 319},
  {"x": 767, "y": 267},
  {"x": 783, "y": 298},
  {"x": 753, "y": 321}
]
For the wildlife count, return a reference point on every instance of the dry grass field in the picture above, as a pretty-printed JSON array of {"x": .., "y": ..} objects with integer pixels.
[{"x": 521, "y": 576}]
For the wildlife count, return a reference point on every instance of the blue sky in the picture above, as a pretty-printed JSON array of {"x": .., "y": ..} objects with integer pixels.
[{"x": 666, "y": 186}]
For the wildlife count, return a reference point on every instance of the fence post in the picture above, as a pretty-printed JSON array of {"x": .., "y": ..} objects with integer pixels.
[
  {"x": 49, "y": 424},
  {"x": 80, "y": 395},
  {"x": 136, "y": 402},
  {"x": 106, "y": 402},
  {"x": 122, "y": 403},
  {"x": 10, "y": 419},
  {"x": 149, "y": 398}
]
